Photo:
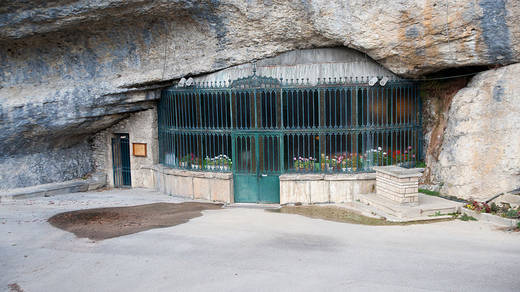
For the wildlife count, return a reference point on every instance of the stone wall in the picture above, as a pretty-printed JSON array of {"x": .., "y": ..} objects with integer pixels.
[
  {"x": 211, "y": 186},
  {"x": 324, "y": 188},
  {"x": 142, "y": 128}
]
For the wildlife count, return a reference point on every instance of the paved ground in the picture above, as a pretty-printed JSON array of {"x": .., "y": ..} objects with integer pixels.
[{"x": 249, "y": 250}]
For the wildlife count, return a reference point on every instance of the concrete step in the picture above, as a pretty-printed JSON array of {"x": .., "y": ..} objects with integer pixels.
[
  {"x": 51, "y": 189},
  {"x": 428, "y": 207},
  {"x": 253, "y": 206}
]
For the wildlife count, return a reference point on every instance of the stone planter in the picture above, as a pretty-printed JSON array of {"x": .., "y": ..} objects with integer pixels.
[{"x": 490, "y": 218}]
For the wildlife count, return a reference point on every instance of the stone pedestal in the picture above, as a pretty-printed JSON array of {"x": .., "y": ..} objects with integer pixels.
[{"x": 398, "y": 184}]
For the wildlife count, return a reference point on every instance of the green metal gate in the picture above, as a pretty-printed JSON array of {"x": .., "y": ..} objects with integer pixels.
[{"x": 257, "y": 167}]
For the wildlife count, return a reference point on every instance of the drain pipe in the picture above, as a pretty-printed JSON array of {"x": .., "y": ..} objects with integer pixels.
[{"x": 514, "y": 192}]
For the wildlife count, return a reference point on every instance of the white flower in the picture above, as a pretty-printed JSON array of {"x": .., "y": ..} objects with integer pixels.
[{"x": 379, "y": 148}]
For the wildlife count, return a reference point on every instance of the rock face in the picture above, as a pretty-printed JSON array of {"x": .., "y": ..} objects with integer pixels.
[
  {"x": 480, "y": 154},
  {"x": 69, "y": 69},
  {"x": 409, "y": 37}
]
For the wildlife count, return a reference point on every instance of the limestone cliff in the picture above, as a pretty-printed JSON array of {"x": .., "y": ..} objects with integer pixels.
[
  {"x": 480, "y": 152},
  {"x": 69, "y": 69}
]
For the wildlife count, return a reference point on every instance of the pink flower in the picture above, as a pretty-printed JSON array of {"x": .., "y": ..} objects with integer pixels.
[{"x": 409, "y": 147}]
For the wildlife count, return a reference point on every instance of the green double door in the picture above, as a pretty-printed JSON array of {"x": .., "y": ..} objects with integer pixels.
[{"x": 257, "y": 167}]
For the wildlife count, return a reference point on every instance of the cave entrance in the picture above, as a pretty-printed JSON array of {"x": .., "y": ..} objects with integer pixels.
[
  {"x": 121, "y": 160},
  {"x": 258, "y": 128}
]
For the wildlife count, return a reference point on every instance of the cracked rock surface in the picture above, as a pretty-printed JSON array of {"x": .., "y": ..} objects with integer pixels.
[{"x": 69, "y": 69}]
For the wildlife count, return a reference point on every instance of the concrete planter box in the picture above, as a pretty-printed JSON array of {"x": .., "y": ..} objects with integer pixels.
[
  {"x": 211, "y": 186},
  {"x": 490, "y": 218},
  {"x": 324, "y": 188}
]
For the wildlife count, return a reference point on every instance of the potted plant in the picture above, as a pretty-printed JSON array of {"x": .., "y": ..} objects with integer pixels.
[
  {"x": 184, "y": 161},
  {"x": 306, "y": 164},
  {"x": 333, "y": 164},
  {"x": 206, "y": 163},
  {"x": 195, "y": 163}
]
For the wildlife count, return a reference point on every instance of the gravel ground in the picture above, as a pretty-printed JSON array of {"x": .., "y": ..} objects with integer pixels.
[{"x": 240, "y": 249}]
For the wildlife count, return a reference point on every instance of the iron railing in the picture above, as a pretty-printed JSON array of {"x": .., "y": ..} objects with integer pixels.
[{"x": 335, "y": 125}]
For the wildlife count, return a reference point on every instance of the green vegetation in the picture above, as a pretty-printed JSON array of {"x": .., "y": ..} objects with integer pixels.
[
  {"x": 512, "y": 213},
  {"x": 420, "y": 164},
  {"x": 430, "y": 193},
  {"x": 465, "y": 217},
  {"x": 504, "y": 210},
  {"x": 437, "y": 194}
]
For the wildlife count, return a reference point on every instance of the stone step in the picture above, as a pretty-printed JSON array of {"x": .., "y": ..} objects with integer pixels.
[
  {"x": 427, "y": 208},
  {"x": 253, "y": 205}
]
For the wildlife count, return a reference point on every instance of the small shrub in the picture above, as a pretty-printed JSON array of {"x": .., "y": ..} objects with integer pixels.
[
  {"x": 428, "y": 192},
  {"x": 436, "y": 214},
  {"x": 486, "y": 208},
  {"x": 494, "y": 207},
  {"x": 505, "y": 207},
  {"x": 518, "y": 225},
  {"x": 465, "y": 217},
  {"x": 512, "y": 213},
  {"x": 420, "y": 164},
  {"x": 437, "y": 194}
]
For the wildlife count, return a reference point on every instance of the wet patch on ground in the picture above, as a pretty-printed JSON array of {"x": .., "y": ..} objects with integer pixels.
[
  {"x": 337, "y": 214},
  {"x": 103, "y": 223}
]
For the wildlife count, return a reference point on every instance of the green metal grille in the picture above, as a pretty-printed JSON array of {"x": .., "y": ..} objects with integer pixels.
[{"x": 266, "y": 125}]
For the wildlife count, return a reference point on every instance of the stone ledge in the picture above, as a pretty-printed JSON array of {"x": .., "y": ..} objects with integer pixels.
[
  {"x": 301, "y": 176},
  {"x": 399, "y": 172},
  {"x": 327, "y": 177},
  {"x": 51, "y": 189},
  {"x": 191, "y": 173}
]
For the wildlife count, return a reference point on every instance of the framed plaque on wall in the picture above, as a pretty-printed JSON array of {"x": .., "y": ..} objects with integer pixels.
[{"x": 139, "y": 149}]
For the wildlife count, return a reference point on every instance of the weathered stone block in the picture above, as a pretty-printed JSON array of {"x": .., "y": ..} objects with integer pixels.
[
  {"x": 319, "y": 191},
  {"x": 398, "y": 184},
  {"x": 201, "y": 189},
  {"x": 221, "y": 190}
]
